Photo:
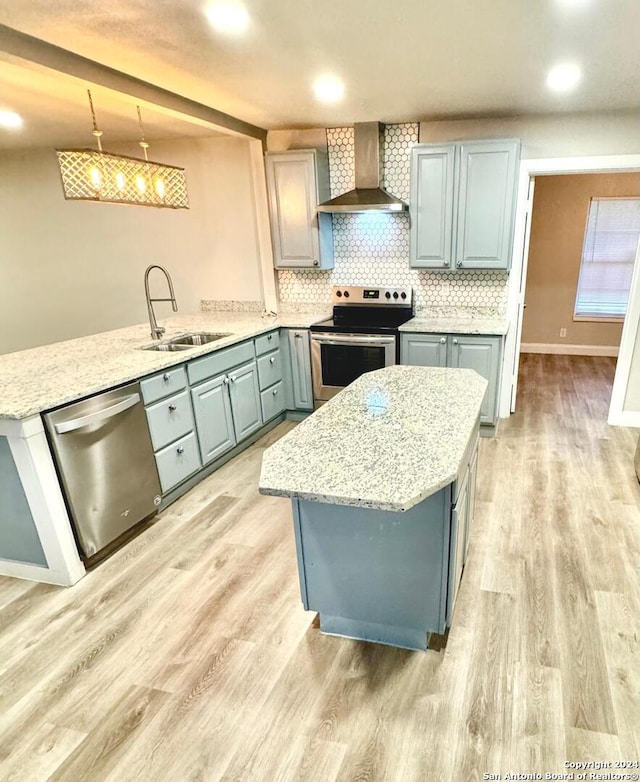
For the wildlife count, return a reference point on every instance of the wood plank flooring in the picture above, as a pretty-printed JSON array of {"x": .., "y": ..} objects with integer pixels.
[{"x": 187, "y": 655}]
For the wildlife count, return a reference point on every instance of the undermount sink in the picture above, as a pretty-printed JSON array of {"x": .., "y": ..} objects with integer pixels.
[
  {"x": 198, "y": 338},
  {"x": 166, "y": 348}
]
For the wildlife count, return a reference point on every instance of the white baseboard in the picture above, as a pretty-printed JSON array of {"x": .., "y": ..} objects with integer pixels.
[{"x": 569, "y": 350}]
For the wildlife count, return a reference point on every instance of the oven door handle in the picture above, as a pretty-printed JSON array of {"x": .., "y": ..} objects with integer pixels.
[{"x": 331, "y": 339}]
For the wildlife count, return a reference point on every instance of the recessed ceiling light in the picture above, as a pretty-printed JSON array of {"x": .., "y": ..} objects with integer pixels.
[
  {"x": 328, "y": 89},
  {"x": 563, "y": 77},
  {"x": 9, "y": 119},
  {"x": 228, "y": 17}
]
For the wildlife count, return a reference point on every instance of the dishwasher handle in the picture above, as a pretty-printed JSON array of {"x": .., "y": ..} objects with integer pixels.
[{"x": 100, "y": 415}]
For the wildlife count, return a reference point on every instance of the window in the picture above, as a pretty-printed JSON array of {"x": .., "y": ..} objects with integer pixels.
[{"x": 608, "y": 255}]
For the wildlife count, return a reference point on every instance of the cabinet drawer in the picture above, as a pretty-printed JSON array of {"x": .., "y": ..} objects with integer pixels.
[
  {"x": 269, "y": 369},
  {"x": 170, "y": 419},
  {"x": 219, "y": 362},
  {"x": 267, "y": 342},
  {"x": 178, "y": 461},
  {"x": 163, "y": 384},
  {"x": 273, "y": 401}
]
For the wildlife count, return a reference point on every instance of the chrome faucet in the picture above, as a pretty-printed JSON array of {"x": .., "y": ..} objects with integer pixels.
[{"x": 158, "y": 331}]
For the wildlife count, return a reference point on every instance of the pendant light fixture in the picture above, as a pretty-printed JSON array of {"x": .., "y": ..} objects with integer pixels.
[{"x": 95, "y": 175}]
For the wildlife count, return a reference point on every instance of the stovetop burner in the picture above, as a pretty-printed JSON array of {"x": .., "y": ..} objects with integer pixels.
[{"x": 360, "y": 310}]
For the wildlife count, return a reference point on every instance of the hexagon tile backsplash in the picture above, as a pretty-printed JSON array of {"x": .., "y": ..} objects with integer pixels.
[{"x": 373, "y": 249}]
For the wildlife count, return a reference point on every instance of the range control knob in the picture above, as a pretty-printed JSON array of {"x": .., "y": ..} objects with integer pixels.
[
  {"x": 339, "y": 294},
  {"x": 388, "y": 295},
  {"x": 346, "y": 294},
  {"x": 395, "y": 294},
  {"x": 403, "y": 295}
]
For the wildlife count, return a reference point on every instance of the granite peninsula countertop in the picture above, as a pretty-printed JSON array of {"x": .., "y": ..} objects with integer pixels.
[
  {"x": 387, "y": 441},
  {"x": 51, "y": 375},
  {"x": 456, "y": 323}
]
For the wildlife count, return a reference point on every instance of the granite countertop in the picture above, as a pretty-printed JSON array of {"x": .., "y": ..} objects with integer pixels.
[
  {"x": 389, "y": 440},
  {"x": 460, "y": 322},
  {"x": 51, "y": 375}
]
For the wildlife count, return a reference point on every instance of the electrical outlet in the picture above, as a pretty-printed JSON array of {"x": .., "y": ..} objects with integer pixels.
[{"x": 563, "y": 332}]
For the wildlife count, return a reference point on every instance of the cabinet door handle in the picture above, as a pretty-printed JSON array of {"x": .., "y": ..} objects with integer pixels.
[
  {"x": 275, "y": 392},
  {"x": 225, "y": 380},
  {"x": 269, "y": 337},
  {"x": 179, "y": 450},
  {"x": 445, "y": 263},
  {"x": 455, "y": 341},
  {"x": 459, "y": 264},
  {"x": 272, "y": 360},
  {"x": 315, "y": 263},
  {"x": 232, "y": 378},
  {"x": 166, "y": 377},
  {"x": 298, "y": 336},
  {"x": 172, "y": 408},
  {"x": 443, "y": 340}
]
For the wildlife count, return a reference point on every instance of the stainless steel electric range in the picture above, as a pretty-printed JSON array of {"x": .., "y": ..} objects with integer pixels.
[{"x": 361, "y": 336}]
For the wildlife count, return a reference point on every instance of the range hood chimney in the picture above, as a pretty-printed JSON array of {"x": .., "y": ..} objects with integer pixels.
[{"x": 368, "y": 196}]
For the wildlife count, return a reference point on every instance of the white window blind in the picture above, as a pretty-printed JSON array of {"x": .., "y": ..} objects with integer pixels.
[{"x": 608, "y": 255}]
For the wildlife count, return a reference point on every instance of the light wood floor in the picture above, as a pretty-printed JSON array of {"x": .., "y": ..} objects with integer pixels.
[{"x": 187, "y": 655}]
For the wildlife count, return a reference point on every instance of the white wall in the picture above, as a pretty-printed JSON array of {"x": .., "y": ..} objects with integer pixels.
[
  {"x": 74, "y": 268},
  {"x": 549, "y": 136}
]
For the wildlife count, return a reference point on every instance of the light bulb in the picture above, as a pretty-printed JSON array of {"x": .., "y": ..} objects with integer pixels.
[
  {"x": 141, "y": 184},
  {"x": 160, "y": 190},
  {"x": 96, "y": 178},
  {"x": 120, "y": 180}
]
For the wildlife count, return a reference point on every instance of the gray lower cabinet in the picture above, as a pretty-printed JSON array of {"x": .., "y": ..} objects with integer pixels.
[
  {"x": 300, "y": 368},
  {"x": 244, "y": 392},
  {"x": 212, "y": 409},
  {"x": 462, "y": 204},
  {"x": 466, "y": 351},
  {"x": 171, "y": 426},
  {"x": 227, "y": 409},
  {"x": 457, "y": 545}
]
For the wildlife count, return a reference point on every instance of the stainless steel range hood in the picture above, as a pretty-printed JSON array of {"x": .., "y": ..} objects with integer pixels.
[{"x": 368, "y": 196}]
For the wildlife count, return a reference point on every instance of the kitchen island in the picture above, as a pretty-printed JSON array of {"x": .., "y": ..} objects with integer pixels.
[{"x": 382, "y": 481}]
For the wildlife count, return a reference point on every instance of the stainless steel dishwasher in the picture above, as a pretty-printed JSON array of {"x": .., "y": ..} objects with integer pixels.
[{"x": 104, "y": 457}]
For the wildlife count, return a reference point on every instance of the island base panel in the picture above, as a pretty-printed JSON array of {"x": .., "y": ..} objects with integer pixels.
[
  {"x": 402, "y": 637},
  {"x": 370, "y": 572}
]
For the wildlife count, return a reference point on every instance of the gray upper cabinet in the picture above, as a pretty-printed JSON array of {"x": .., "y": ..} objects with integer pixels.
[
  {"x": 463, "y": 199},
  {"x": 432, "y": 179},
  {"x": 297, "y": 181}
]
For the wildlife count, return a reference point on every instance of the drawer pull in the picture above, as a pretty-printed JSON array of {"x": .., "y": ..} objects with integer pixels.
[
  {"x": 172, "y": 408},
  {"x": 179, "y": 450},
  {"x": 272, "y": 360},
  {"x": 298, "y": 336},
  {"x": 166, "y": 377},
  {"x": 275, "y": 392},
  {"x": 269, "y": 337},
  {"x": 443, "y": 340}
]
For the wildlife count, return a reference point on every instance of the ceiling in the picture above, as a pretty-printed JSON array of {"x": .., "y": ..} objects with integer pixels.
[{"x": 400, "y": 60}]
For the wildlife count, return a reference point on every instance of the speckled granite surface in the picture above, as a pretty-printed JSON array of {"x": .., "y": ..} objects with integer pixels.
[
  {"x": 457, "y": 321},
  {"x": 389, "y": 440},
  {"x": 45, "y": 377}
]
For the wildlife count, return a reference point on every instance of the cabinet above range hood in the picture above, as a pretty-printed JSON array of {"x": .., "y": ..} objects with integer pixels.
[{"x": 368, "y": 196}]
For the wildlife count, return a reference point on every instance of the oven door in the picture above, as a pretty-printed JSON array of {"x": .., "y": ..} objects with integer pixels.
[{"x": 338, "y": 359}]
